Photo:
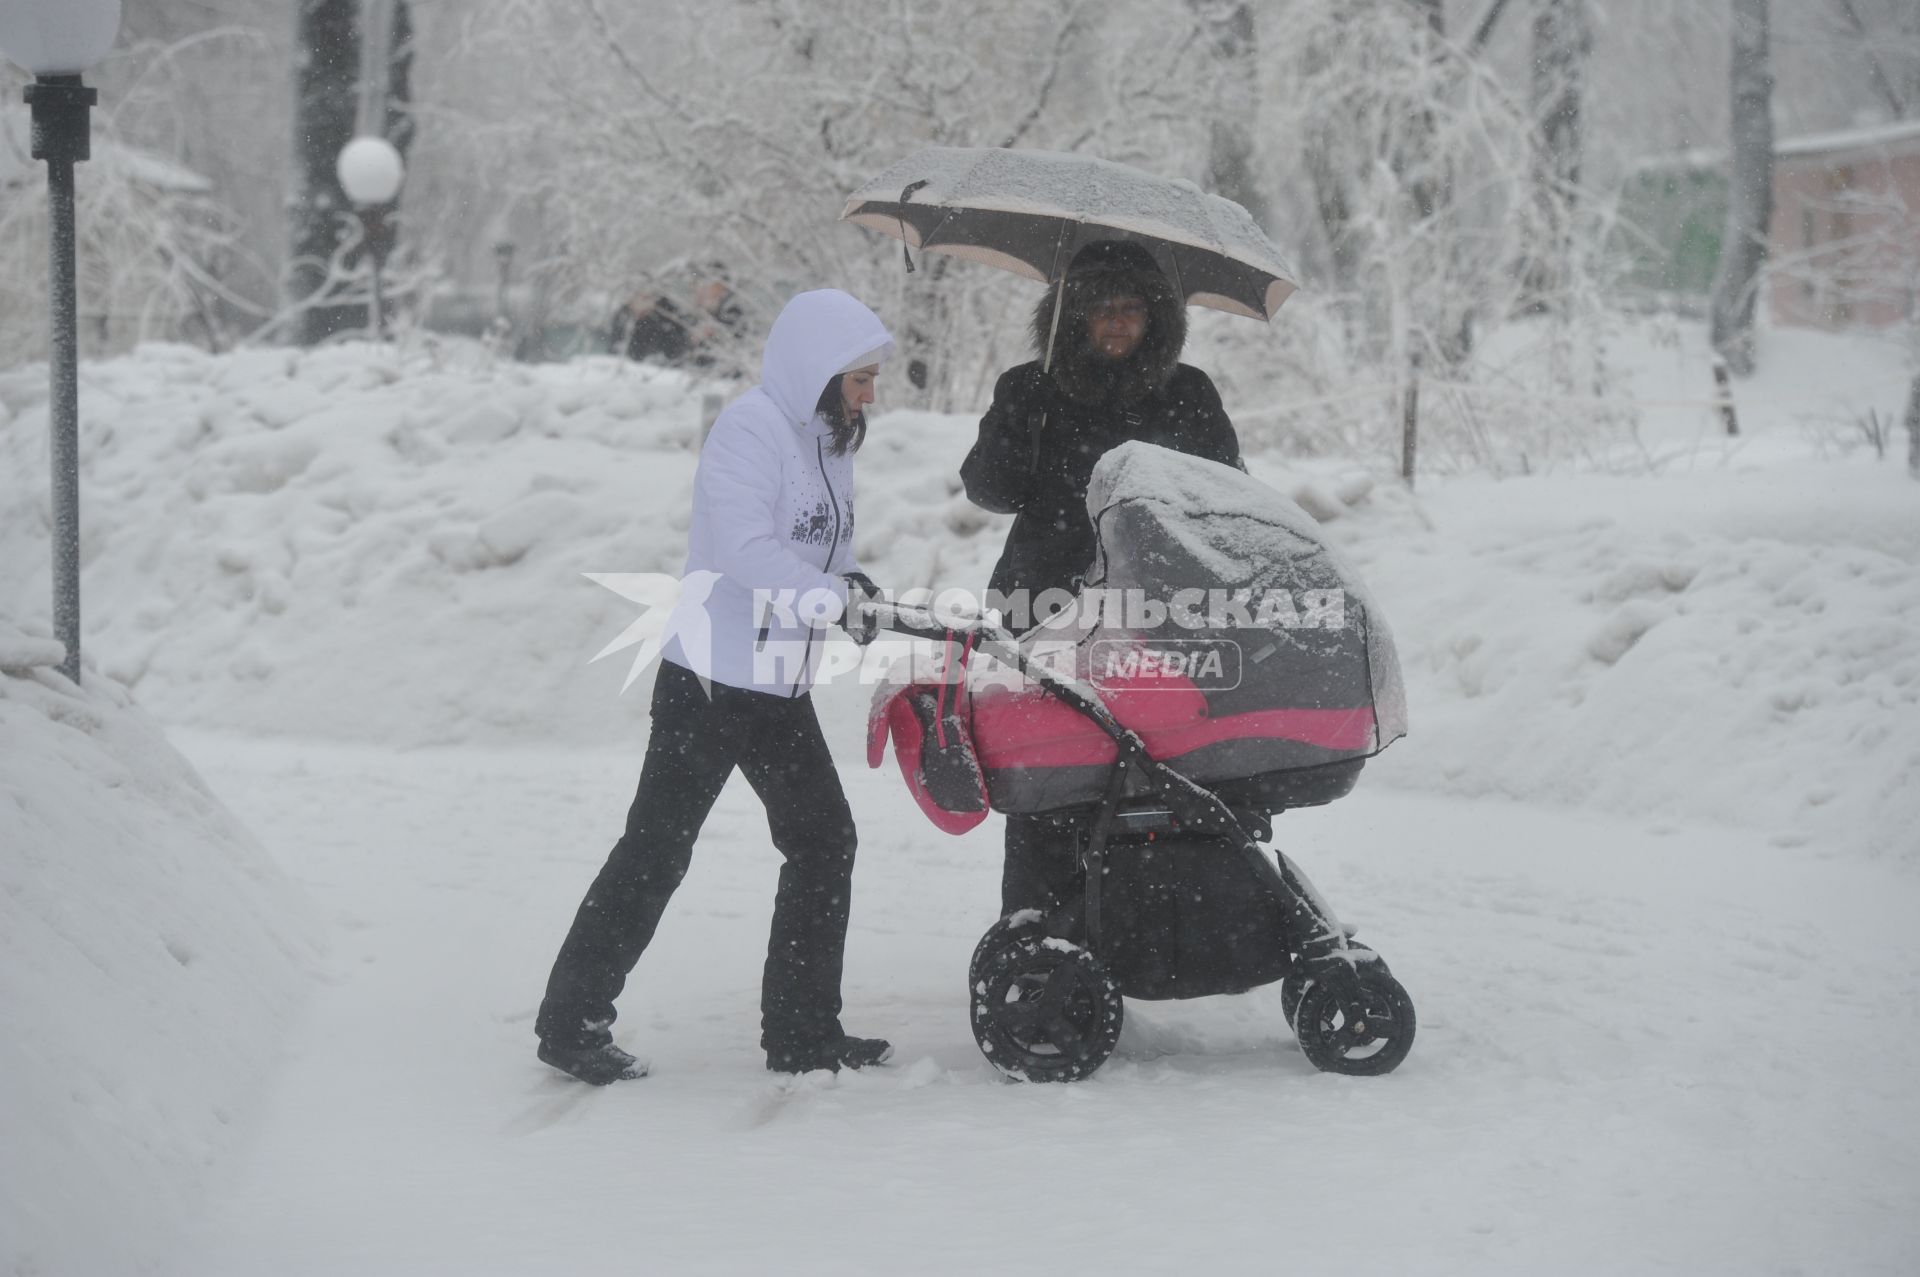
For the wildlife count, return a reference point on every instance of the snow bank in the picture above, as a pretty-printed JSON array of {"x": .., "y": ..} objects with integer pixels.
[
  {"x": 150, "y": 958},
  {"x": 386, "y": 546},
  {"x": 1732, "y": 634},
  {"x": 1743, "y": 648},
  {"x": 389, "y": 545},
  {"x": 358, "y": 544}
]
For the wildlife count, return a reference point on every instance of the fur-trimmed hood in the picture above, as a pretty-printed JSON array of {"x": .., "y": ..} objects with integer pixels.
[{"x": 1101, "y": 271}]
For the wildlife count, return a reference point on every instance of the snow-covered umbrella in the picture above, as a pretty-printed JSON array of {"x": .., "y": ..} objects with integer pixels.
[{"x": 1028, "y": 212}]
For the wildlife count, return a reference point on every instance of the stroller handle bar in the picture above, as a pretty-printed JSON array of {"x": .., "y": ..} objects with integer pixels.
[{"x": 990, "y": 637}]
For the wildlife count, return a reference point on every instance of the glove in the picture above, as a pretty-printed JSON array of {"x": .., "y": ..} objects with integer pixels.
[{"x": 861, "y": 620}]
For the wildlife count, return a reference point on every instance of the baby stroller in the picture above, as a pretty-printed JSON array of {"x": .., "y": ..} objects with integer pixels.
[{"x": 1219, "y": 667}]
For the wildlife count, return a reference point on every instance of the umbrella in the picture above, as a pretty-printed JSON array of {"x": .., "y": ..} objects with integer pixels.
[{"x": 1028, "y": 212}]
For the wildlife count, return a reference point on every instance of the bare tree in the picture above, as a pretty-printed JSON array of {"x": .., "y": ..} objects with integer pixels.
[
  {"x": 1743, "y": 251},
  {"x": 1430, "y": 184},
  {"x": 1483, "y": 30},
  {"x": 1229, "y": 25},
  {"x": 155, "y": 248},
  {"x": 1893, "y": 94},
  {"x": 1351, "y": 42},
  {"x": 1416, "y": 155},
  {"x": 326, "y": 75},
  {"x": 1913, "y": 427},
  {"x": 328, "y": 96},
  {"x": 1562, "y": 39},
  {"x": 663, "y": 141}
]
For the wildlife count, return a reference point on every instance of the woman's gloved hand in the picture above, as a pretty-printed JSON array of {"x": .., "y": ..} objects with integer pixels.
[{"x": 861, "y": 621}]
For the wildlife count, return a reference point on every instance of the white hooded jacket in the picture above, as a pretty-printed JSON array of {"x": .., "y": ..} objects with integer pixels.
[{"x": 773, "y": 506}]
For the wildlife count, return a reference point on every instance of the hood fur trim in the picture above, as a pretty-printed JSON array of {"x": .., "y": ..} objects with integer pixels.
[{"x": 1101, "y": 272}]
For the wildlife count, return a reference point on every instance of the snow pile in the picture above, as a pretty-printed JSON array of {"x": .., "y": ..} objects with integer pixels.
[
  {"x": 1744, "y": 648},
  {"x": 1731, "y": 633},
  {"x": 356, "y": 544},
  {"x": 389, "y": 545},
  {"x": 151, "y": 957}
]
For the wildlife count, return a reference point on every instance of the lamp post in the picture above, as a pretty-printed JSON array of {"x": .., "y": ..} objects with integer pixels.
[
  {"x": 58, "y": 40},
  {"x": 371, "y": 172}
]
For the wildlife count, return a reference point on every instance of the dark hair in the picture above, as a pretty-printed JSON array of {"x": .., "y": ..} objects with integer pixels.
[{"x": 848, "y": 435}]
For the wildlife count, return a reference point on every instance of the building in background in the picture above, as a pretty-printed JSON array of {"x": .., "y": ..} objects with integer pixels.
[
  {"x": 1846, "y": 228},
  {"x": 1845, "y": 236}
]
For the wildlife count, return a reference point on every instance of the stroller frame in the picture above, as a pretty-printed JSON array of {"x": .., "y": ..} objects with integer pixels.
[{"x": 1359, "y": 1019}]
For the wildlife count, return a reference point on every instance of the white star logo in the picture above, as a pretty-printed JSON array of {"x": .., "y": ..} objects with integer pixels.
[{"x": 672, "y": 608}]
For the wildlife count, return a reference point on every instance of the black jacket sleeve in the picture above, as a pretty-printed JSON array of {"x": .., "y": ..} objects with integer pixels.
[
  {"x": 1209, "y": 427},
  {"x": 998, "y": 472}
]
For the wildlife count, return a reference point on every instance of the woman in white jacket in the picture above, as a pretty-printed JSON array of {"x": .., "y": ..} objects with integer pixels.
[{"x": 772, "y": 531}]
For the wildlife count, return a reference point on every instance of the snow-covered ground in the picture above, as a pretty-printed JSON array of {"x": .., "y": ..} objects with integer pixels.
[{"x": 1646, "y": 865}]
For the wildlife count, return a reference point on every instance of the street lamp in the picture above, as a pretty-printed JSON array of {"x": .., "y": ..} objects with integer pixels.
[
  {"x": 58, "y": 40},
  {"x": 371, "y": 172}
]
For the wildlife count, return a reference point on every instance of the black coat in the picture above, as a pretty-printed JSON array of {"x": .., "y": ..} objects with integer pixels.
[
  {"x": 661, "y": 331},
  {"x": 1040, "y": 472}
]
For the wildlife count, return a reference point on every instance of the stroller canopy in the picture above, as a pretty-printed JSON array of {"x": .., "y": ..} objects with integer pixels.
[{"x": 1236, "y": 563}]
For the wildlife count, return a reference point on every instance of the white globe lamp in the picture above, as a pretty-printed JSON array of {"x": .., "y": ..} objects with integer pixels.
[
  {"x": 371, "y": 173},
  {"x": 58, "y": 37}
]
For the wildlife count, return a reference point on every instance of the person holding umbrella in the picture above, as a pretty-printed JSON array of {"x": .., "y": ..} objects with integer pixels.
[
  {"x": 1122, "y": 253},
  {"x": 1116, "y": 328},
  {"x": 771, "y": 541}
]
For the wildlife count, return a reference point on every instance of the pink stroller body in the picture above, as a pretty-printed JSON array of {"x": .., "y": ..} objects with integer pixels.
[{"x": 1033, "y": 752}]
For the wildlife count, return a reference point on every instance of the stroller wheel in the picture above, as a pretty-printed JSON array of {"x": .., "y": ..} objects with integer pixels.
[
  {"x": 1363, "y": 1026},
  {"x": 998, "y": 936},
  {"x": 1044, "y": 1010},
  {"x": 1295, "y": 986}
]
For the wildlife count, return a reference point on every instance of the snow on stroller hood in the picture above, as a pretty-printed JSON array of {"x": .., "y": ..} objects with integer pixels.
[{"x": 1169, "y": 523}]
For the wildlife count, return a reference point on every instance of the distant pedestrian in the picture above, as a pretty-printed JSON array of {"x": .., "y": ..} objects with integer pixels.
[{"x": 649, "y": 326}]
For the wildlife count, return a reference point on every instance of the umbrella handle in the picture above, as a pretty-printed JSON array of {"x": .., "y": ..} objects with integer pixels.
[
  {"x": 1053, "y": 329},
  {"x": 1046, "y": 364},
  {"x": 906, "y": 193}
]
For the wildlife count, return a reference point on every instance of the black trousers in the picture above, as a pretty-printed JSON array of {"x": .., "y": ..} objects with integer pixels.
[
  {"x": 695, "y": 745},
  {"x": 1041, "y": 870}
]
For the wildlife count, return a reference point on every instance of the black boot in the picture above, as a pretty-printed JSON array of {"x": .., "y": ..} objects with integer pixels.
[
  {"x": 600, "y": 1065},
  {"x": 852, "y": 1053},
  {"x": 858, "y": 1053}
]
